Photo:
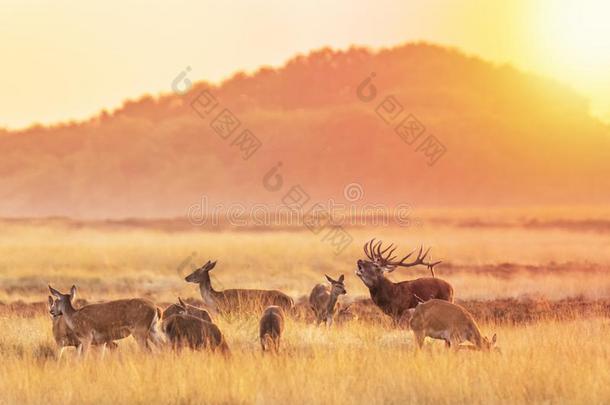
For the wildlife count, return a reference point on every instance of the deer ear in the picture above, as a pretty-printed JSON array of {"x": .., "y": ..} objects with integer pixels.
[
  {"x": 50, "y": 301},
  {"x": 54, "y": 292},
  {"x": 181, "y": 302},
  {"x": 341, "y": 278},
  {"x": 330, "y": 280},
  {"x": 210, "y": 266},
  {"x": 72, "y": 293},
  {"x": 493, "y": 339}
]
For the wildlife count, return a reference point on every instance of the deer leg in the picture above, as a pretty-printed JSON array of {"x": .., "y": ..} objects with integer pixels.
[
  {"x": 61, "y": 352},
  {"x": 419, "y": 338},
  {"x": 454, "y": 341},
  {"x": 85, "y": 344},
  {"x": 155, "y": 338},
  {"x": 103, "y": 350},
  {"x": 141, "y": 338}
]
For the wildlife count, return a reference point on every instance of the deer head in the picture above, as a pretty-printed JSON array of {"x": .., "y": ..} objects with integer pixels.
[
  {"x": 63, "y": 303},
  {"x": 337, "y": 286},
  {"x": 201, "y": 275},
  {"x": 51, "y": 304},
  {"x": 381, "y": 261},
  {"x": 487, "y": 344},
  {"x": 183, "y": 310}
]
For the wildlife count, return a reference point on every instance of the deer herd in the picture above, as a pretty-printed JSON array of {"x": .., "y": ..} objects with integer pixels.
[{"x": 425, "y": 305}]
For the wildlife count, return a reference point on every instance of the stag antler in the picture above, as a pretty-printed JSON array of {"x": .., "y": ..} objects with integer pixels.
[{"x": 374, "y": 253}]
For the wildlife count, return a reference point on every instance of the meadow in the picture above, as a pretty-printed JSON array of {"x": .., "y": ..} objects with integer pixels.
[{"x": 554, "y": 268}]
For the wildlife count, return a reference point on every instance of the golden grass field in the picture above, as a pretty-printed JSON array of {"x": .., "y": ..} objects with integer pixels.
[{"x": 555, "y": 359}]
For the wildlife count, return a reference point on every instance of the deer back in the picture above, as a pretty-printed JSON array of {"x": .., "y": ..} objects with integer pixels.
[
  {"x": 189, "y": 331},
  {"x": 442, "y": 316},
  {"x": 115, "y": 319},
  {"x": 272, "y": 322},
  {"x": 318, "y": 298},
  {"x": 190, "y": 310},
  {"x": 431, "y": 288},
  {"x": 246, "y": 299}
]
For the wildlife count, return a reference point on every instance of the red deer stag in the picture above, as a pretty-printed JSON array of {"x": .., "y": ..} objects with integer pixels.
[
  {"x": 236, "y": 300},
  {"x": 109, "y": 320},
  {"x": 395, "y": 299},
  {"x": 323, "y": 300},
  {"x": 452, "y": 323},
  {"x": 271, "y": 327}
]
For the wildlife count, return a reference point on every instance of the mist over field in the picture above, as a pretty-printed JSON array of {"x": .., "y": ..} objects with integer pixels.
[{"x": 508, "y": 137}]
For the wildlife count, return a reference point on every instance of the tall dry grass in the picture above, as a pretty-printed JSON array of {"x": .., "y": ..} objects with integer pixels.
[{"x": 549, "y": 362}]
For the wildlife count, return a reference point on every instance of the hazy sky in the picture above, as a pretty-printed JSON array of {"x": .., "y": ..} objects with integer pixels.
[{"x": 69, "y": 59}]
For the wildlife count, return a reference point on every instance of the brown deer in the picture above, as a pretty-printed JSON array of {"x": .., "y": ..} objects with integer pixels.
[
  {"x": 183, "y": 308},
  {"x": 323, "y": 300},
  {"x": 345, "y": 315},
  {"x": 108, "y": 321},
  {"x": 395, "y": 299},
  {"x": 235, "y": 300},
  {"x": 439, "y": 319},
  {"x": 65, "y": 337},
  {"x": 271, "y": 327},
  {"x": 183, "y": 330}
]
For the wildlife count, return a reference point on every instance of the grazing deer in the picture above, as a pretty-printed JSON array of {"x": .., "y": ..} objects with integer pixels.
[
  {"x": 345, "y": 314},
  {"x": 108, "y": 321},
  {"x": 65, "y": 337},
  {"x": 450, "y": 322},
  {"x": 323, "y": 300},
  {"x": 395, "y": 299},
  {"x": 235, "y": 299},
  {"x": 183, "y": 308},
  {"x": 183, "y": 330},
  {"x": 271, "y": 327}
]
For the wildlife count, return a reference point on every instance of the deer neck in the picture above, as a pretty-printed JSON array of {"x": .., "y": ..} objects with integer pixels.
[
  {"x": 382, "y": 289},
  {"x": 55, "y": 321},
  {"x": 332, "y": 301},
  {"x": 68, "y": 313},
  {"x": 208, "y": 294},
  {"x": 477, "y": 338}
]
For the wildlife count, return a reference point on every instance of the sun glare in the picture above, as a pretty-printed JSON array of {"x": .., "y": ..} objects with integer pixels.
[{"x": 580, "y": 34}]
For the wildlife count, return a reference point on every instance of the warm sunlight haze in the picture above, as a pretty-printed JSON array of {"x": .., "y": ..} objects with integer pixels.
[
  {"x": 61, "y": 61},
  {"x": 305, "y": 202}
]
